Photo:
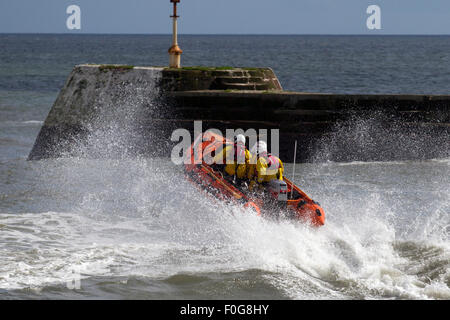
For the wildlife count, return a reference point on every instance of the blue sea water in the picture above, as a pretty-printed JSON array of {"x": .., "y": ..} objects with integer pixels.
[{"x": 335, "y": 64}]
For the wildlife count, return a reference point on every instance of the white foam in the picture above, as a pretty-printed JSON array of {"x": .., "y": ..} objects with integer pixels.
[{"x": 142, "y": 218}]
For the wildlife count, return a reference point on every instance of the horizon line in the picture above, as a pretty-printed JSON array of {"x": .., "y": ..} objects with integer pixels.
[{"x": 227, "y": 34}]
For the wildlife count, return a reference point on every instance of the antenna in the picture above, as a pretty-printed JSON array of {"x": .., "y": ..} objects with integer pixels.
[{"x": 293, "y": 169}]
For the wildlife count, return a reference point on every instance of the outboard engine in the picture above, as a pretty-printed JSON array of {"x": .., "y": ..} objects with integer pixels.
[{"x": 278, "y": 190}]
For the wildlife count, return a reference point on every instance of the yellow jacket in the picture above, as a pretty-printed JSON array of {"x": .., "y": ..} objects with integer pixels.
[
  {"x": 234, "y": 168},
  {"x": 262, "y": 172}
]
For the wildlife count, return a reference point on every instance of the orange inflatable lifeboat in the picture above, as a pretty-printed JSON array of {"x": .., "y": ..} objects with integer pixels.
[{"x": 295, "y": 204}]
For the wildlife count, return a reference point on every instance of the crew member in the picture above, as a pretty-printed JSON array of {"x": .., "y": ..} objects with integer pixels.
[
  {"x": 236, "y": 164},
  {"x": 264, "y": 167}
]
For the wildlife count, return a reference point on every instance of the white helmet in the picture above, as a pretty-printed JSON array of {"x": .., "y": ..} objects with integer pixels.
[
  {"x": 240, "y": 138},
  {"x": 259, "y": 147}
]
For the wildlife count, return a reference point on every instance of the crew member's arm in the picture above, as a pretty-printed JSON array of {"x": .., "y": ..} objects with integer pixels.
[
  {"x": 251, "y": 167},
  {"x": 280, "y": 170},
  {"x": 242, "y": 168},
  {"x": 261, "y": 168}
]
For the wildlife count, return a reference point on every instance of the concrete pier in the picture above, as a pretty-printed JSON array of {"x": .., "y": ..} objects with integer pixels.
[{"x": 136, "y": 109}]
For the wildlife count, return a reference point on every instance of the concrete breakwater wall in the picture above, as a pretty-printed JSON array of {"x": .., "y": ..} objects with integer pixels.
[
  {"x": 330, "y": 126},
  {"x": 115, "y": 111}
]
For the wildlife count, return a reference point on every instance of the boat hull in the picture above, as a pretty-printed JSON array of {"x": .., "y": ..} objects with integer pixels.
[{"x": 298, "y": 205}]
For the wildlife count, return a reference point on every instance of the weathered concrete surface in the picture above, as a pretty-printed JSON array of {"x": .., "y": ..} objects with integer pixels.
[
  {"x": 106, "y": 103},
  {"x": 330, "y": 126},
  {"x": 115, "y": 111},
  {"x": 220, "y": 78}
]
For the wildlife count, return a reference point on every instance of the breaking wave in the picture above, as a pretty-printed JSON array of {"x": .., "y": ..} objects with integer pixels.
[{"x": 128, "y": 221}]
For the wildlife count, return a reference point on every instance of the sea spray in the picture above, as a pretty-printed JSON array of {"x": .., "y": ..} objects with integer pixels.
[
  {"x": 121, "y": 113},
  {"x": 136, "y": 222},
  {"x": 140, "y": 221},
  {"x": 377, "y": 135}
]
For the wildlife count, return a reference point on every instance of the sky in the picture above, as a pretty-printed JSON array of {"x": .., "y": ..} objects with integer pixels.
[{"x": 227, "y": 16}]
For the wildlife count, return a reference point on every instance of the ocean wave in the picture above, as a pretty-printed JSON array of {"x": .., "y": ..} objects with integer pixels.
[{"x": 133, "y": 219}]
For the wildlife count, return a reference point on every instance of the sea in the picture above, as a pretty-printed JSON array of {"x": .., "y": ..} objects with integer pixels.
[{"x": 134, "y": 228}]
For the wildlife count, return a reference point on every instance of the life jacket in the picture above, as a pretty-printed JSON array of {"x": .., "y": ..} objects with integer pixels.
[
  {"x": 239, "y": 152},
  {"x": 272, "y": 161},
  {"x": 273, "y": 165}
]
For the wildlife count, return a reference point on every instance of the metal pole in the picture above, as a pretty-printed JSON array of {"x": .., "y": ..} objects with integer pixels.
[
  {"x": 175, "y": 31},
  {"x": 175, "y": 51},
  {"x": 293, "y": 169}
]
